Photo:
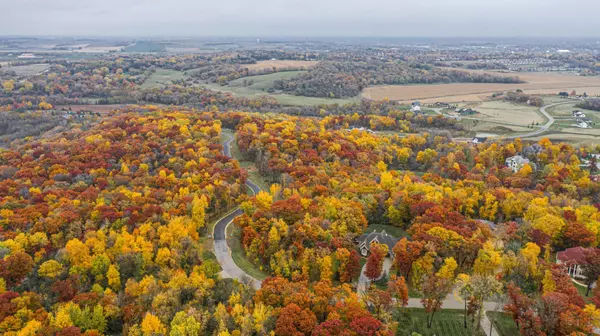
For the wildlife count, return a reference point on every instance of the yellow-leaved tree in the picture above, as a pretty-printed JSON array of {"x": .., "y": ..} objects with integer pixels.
[
  {"x": 199, "y": 205},
  {"x": 151, "y": 325}
]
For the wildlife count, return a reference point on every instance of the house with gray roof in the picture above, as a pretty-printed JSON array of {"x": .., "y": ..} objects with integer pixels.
[
  {"x": 516, "y": 162},
  {"x": 364, "y": 242}
]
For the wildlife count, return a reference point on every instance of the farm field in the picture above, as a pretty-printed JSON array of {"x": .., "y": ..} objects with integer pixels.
[
  {"x": 537, "y": 83},
  {"x": 93, "y": 108},
  {"x": 491, "y": 129},
  {"x": 280, "y": 64},
  {"x": 99, "y": 49},
  {"x": 502, "y": 112},
  {"x": 260, "y": 84},
  {"x": 161, "y": 77},
  {"x": 498, "y": 118},
  {"x": 28, "y": 70}
]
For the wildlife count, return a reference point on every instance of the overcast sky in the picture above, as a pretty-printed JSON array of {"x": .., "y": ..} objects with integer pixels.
[{"x": 300, "y": 17}]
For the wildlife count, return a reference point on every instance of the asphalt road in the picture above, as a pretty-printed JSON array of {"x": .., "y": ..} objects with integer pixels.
[
  {"x": 222, "y": 250},
  {"x": 544, "y": 127}
]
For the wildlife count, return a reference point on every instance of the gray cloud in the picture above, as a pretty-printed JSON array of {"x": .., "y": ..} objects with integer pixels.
[{"x": 300, "y": 18}]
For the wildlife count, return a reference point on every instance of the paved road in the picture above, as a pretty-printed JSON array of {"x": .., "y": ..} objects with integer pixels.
[
  {"x": 544, "y": 127},
  {"x": 222, "y": 251}
]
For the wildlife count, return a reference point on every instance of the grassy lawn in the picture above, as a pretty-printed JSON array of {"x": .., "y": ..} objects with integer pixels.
[
  {"x": 162, "y": 77},
  {"x": 582, "y": 290},
  {"x": 237, "y": 253},
  {"x": 390, "y": 229},
  {"x": 255, "y": 86},
  {"x": 448, "y": 322},
  {"x": 503, "y": 323}
]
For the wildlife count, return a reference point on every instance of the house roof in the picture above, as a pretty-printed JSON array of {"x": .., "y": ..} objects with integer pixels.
[
  {"x": 381, "y": 237},
  {"x": 518, "y": 159},
  {"x": 573, "y": 255}
]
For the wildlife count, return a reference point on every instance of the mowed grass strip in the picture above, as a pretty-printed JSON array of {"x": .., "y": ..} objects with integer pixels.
[
  {"x": 503, "y": 323},
  {"x": 238, "y": 254},
  {"x": 448, "y": 322}
]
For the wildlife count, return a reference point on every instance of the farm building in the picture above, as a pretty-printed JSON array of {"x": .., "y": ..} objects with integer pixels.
[
  {"x": 416, "y": 109},
  {"x": 364, "y": 242},
  {"x": 516, "y": 162},
  {"x": 572, "y": 258},
  {"x": 478, "y": 140},
  {"x": 26, "y": 55},
  {"x": 466, "y": 111},
  {"x": 578, "y": 114}
]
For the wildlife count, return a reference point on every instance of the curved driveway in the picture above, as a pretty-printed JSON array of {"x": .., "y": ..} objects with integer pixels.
[{"x": 222, "y": 251}]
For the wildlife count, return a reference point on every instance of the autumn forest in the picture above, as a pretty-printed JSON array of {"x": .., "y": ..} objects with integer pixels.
[{"x": 111, "y": 222}]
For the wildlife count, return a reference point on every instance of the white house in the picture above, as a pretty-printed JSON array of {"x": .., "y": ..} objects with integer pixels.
[
  {"x": 416, "y": 109},
  {"x": 572, "y": 258},
  {"x": 582, "y": 124},
  {"x": 516, "y": 162}
]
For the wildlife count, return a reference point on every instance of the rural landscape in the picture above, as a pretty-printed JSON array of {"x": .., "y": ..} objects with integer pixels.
[{"x": 290, "y": 186}]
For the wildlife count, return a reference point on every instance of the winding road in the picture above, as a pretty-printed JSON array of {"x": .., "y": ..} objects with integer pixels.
[
  {"x": 544, "y": 127},
  {"x": 222, "y": 250}
]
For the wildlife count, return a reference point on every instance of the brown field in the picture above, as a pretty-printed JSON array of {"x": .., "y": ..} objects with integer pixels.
[
  {"x": 28, "y": 70},
  {"x": 99, "y": 49},
  {"x": 260, "y": 65},
  {"x": 502, "y": 112},
  {"x": 538, "y": 83}
]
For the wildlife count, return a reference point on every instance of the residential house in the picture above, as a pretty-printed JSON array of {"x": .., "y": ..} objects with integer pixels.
[
  {"x": 582, "y": 124},
  {"x": 416, "y": 109},
  {"x": 364, "y": 242},
  {"x": 516, "y": 162},
  {"x": 572, "y": 258}
]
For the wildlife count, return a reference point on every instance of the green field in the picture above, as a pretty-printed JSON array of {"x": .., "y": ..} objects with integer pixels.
[
  {"x": 390, "y": 229},
  {"x": 162, "y": 77},
  {"x": 145, "y": 46},
  {"x": 564, "y": 128},
  {"x": 447, "y": 322},
  {"x": 503, "y": 323},
  {"x": 256, "y": 86}
]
